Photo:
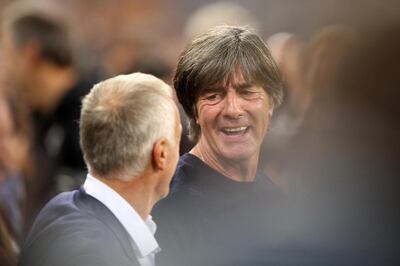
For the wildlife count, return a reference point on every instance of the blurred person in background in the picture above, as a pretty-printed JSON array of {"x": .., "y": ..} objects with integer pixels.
[
  {"x": 37, "y": 55},
  {"x": 38, "y": 72},
  {"x": 287, "y": 50},
  {"x": 322, "y": 54},
  {"x": 15, "y": 164},
  {"x": 344, "y": 167},
  {"x": 217, "y": 14},
  {"x": 222, "y": 210},
  {"x": 130, "y": 131},
  {"x": 7, "y": 251},
  {"x": 306, "y": 68},
  {"x": 11, "y": 189}
]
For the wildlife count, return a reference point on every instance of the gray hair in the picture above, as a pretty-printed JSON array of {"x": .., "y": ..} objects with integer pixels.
[
  {"x": 121, "y": 118},
  {"x": 217, "y": 55}
]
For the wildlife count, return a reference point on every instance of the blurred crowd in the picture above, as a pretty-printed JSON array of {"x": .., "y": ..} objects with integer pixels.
[{"x": 333, "y": 145}]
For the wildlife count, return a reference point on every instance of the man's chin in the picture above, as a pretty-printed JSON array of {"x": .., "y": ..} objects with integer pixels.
[{"x": 238, "y": 155}]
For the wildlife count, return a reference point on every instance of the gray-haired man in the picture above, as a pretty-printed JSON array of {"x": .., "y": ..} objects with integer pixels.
[{"x": 130, "y": 131}]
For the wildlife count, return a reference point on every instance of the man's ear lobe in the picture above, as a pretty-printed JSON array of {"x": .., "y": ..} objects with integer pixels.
[{"x": 159, "y": 154}]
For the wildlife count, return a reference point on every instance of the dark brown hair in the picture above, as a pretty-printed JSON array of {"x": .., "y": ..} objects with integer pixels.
[{"x": 50, "y": 34}]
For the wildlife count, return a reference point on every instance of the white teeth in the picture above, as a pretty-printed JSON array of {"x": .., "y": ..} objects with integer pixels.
[{"x": 236, "y": 129}]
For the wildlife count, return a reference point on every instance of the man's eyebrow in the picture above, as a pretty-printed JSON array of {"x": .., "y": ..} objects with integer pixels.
[
  {"x": 242, "y": 86},
  {"x": 212, "y": 89}
]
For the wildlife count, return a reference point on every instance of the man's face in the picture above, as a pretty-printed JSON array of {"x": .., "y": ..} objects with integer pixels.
[{"x": 233, "y": 117}]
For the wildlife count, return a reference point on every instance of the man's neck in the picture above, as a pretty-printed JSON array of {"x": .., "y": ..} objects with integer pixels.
[
  {"x": 237, "y": 170},
  {"x": 135, "y": 192}
]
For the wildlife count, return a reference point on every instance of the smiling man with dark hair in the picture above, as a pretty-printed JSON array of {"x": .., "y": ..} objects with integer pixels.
[{"x": 222, "y": 208}]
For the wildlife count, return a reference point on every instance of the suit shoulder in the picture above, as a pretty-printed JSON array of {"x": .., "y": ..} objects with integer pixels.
[{"x": 69, "y": 227}]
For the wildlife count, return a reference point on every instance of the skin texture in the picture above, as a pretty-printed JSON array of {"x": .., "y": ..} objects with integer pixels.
[{"x": 233, "y": 116}]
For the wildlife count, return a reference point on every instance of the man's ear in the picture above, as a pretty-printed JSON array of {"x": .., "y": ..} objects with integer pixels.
[{"x": 159, "y": 154}]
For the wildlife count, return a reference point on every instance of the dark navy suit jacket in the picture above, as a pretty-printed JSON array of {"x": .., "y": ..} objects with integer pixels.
[{"x": 76, "y": 229}]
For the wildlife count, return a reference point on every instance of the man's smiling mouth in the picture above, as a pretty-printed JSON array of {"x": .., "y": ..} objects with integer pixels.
[{"x": 234, "y": 130}]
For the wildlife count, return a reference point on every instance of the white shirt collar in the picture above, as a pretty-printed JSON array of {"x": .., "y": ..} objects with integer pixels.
[{"x": 142, "y": 233}]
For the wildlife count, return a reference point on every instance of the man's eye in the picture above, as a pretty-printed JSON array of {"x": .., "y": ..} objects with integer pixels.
[
  {"x": 250, "y": 94},
  {"x": 212, "y": 97},
  {"x": 247, "y": 92}
]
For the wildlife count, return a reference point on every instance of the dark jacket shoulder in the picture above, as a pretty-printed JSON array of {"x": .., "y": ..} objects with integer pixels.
[{"x": 75, "y": 227}]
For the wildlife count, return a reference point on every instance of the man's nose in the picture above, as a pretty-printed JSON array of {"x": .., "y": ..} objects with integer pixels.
[{"x": 232, "y": 105}]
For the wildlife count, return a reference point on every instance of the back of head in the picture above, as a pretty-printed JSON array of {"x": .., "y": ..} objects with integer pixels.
[
  {"x": 322, "y": 57},
  {"x": 27, "y": 22},
  {"x": 121, "y": 118},
  {"x": 346, "y": 163},
  {"x": 217, "y": 56},
  {"x": 370, "y": 72},
  {"x": 356, "y": 112}
]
